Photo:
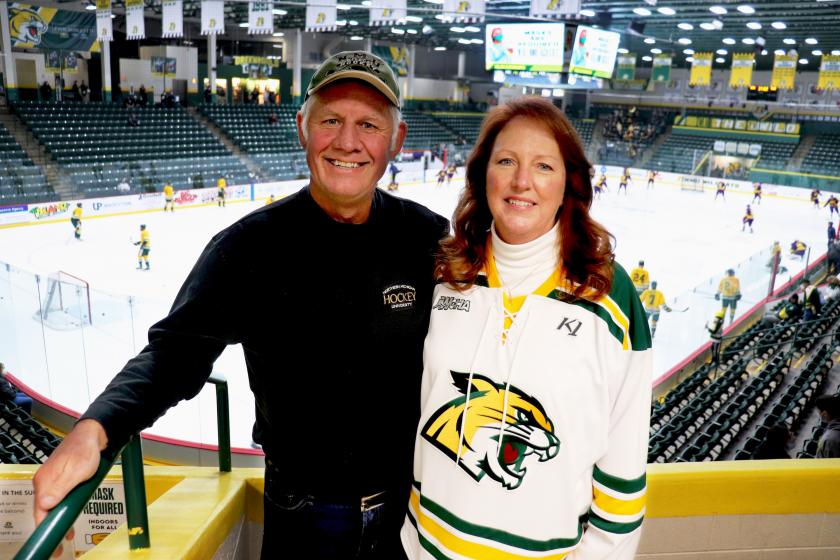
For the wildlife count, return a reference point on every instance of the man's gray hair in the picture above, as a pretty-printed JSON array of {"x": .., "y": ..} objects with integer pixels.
[{"x": 393, "y": 111}]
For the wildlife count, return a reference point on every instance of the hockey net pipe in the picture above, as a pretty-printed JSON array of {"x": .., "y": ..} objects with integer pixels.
[{"x": 67, "y": 303}]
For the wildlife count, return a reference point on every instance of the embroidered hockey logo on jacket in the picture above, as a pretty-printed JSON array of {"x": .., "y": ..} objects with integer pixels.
[{"x": 498, "y": 441}]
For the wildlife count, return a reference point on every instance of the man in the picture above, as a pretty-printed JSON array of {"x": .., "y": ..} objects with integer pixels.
[
  {"x": 832, "y": 234},
  {"x": 716, "y": 334},
  {"x": 334, "y": 357},
  {"x": 168, "y": 197},
  {"x": 145, "y": 245},
  {"x": 729, "y": 293},
  {"x": 76, "y": 221},
  {"x": 811, "y": 300},
  {"x": 652, "y": 300},
  {"x": 829, "y": 445},
  {"x": 221, "y": 185},
  {"x": 789, "y": 310},
  {"x": 640, "y": 278}
]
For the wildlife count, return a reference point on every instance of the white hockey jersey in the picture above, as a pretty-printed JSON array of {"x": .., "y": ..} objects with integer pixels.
[{"x": 533, "y": 435}]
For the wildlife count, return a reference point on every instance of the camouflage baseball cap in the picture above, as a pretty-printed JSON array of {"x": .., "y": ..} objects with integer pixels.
[{"x": 356, "y": 65}]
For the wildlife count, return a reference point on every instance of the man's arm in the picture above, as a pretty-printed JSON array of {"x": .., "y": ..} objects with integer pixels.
[{"x": 172, "y": 367}]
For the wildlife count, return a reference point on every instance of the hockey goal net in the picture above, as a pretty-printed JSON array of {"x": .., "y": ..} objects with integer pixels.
[{"x": 67, "y": 302}]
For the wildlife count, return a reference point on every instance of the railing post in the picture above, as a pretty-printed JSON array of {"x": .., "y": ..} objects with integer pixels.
[
  {"x": 222, "y": 420},
  {"x": 135, "y": 495}
]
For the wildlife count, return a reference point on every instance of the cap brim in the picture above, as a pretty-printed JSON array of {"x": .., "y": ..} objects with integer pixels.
[{"x": 359, "y": 75}]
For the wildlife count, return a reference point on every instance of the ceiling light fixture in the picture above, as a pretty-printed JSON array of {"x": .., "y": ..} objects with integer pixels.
[
  {"x": 817, "y": 52},
  {"x": 622, "y": 50},
  {"x": 279, "y": 12},
  {"x": 650, "y": 41},
  {"x": 472, "y": 29},
  {"x": 780, "y": 52},
  {"x": 646, "y": 58},
  {"x": 722, "y": 51},
  {"x": 708, "y": 26},
  {"x": 746, "y": 9},
  {"x": 684, "y": 41},
  {"x": 748, "y": 41},
  {"x": 357, "y": 38},
  {"x": 413, "y": 19},
  {"x": 689, "y": 59},
  {"x": 587, "y": 13},
  {"x": 811, "y": 41},
  {"x": 720, "y": 60},
  {"x": 729, "y": 41},
  {"x": 685, "y": 26},
  {"x": 754, "y": 25},
  {"x": 688, "y": 51},
  {"x": 778, "y": 25},
  {"x": 656, "y": 51},
  {"x": 789, "y": 41},
  {"x": 641, "y": 11},
  {"x": 666, "y": 11},
  {"x": 719, "y": 10},
  {"x": 803, "y": 61},
  {"x": 440, "y": 48}
]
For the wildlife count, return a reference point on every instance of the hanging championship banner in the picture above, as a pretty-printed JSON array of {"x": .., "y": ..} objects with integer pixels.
[
  {"x": 388, "y": 12},
  {"x": 173, "y": 18},
  {"x": 626, "y": 67},
  {"x": 260, "y": 18},
  {"x": 213, "y": 17},
  {"x": 784, "y": 71},
  {"x": 322, "y": 16},
  {"x": 829, "y": 72},
  {"x": 104, "y": 29},
  {"x": 701, "y": 70},
  {"x": 464, "y": 10},
  {"x": 661, "y": 71},
  {"x": 554, "y": 8},
  {"x": 742, "y": 68},
  {"x": 135, "y": 24}
]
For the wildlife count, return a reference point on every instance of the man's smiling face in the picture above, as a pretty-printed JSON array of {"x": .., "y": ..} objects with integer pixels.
[{"x": 349, "y": 133}]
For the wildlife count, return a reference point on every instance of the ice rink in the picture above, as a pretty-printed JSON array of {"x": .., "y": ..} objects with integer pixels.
[{"x": 687, "y": 240}]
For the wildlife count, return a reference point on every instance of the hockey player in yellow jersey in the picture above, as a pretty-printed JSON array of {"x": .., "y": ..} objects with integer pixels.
[
  {"x": 832, "y": 203},
  {"x": 640, "y": 278},
  {"x": 652, "y": 301},
  {"x": 76, "y": 221},
  {"x": 145, "y": 246},
  {"x": 756, "y": 193},
  {"x": 221, "y": 184},
  {"x": 651, "y": 177},
  {"x": 728, "y": 293},
  {"x": 169, "y": 197},
  {"x": 270, "y": 199}
]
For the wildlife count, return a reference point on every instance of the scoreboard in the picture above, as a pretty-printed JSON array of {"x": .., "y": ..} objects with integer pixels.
[{"x": 762, "y": 93}]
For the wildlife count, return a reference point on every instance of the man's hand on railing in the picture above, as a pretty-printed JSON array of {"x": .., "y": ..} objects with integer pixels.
[{"x": 74, "y": 461}]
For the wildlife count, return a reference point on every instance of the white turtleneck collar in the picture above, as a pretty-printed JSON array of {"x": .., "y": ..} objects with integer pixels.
[{"x": 523, "y": 268}]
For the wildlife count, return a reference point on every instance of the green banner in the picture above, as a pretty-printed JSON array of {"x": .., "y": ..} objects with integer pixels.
[
  {"x": 56, "y": 61},
  {"x": 661, "y": 71},
  {"x": 396, "y": 57},
  {"x": 626, "y": 68},
  {"x": 49, "y": 28}
]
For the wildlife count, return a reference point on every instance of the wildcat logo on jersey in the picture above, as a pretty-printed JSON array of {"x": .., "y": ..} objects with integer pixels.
[
  {"x": 27, "y": 26},
  {"x": 528, "y": 431}
]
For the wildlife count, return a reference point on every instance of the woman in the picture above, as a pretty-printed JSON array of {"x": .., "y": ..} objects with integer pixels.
[{"x": 536, "y": 383}]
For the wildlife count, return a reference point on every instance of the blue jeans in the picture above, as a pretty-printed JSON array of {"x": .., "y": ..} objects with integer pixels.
[{"x": 301, "y": 526}]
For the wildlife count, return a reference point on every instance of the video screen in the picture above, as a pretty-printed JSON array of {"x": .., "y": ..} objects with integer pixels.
[
  {"x": 594, "y": 52},
  {"x": 525, "y": 47}
]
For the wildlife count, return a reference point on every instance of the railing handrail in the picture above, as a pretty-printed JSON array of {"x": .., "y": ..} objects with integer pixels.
[{"x": 50, "y": 532}]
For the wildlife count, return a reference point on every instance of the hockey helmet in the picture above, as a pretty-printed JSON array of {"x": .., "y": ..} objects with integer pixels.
[{"x": 653, "y": 284}]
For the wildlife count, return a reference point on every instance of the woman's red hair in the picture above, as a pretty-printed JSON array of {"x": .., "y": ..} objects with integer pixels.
[{"x": 586, "y": 253}]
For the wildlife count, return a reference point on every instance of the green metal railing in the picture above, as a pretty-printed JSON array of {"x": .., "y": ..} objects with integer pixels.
[{"x": 49, "y": 534}]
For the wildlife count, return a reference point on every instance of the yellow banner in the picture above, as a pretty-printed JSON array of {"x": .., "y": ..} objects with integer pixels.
[
  {"x": 784, "y": 71},
  {"x": 261, "y": 60},
  {"x": 701, "y": 70},
  {"x": 742, "y": 68},
  {"x": 829, "y": 72}
]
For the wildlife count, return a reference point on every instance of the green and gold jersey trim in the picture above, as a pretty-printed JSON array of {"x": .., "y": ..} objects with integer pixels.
[
  {"x": 618, "y": 504},
  {"x": 442, "y": 533}
]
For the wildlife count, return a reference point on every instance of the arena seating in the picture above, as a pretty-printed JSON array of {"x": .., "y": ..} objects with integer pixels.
[
  {"x": 703, "y": 416},
  {"x": 20, "y": 180},
  {"x": 680, "y": 153},
  {"x": 776, "y": 155},
  {"x": 282, "y": 166},
  {"x": 465, "y": 125},
  {"x": 22, "y": 439},
  {"x": 248, "y": 126},
  {"x": 99, "y": 149},
  {"x": 424, "y": 131},
  {"x": 822, "y": 157}
]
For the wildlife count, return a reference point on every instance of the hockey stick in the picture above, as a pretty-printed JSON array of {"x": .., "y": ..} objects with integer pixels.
[{"x": 683, "y": 310}]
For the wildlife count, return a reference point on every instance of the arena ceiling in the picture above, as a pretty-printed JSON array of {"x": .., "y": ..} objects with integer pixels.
[{"x": 811, "y": 27}]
